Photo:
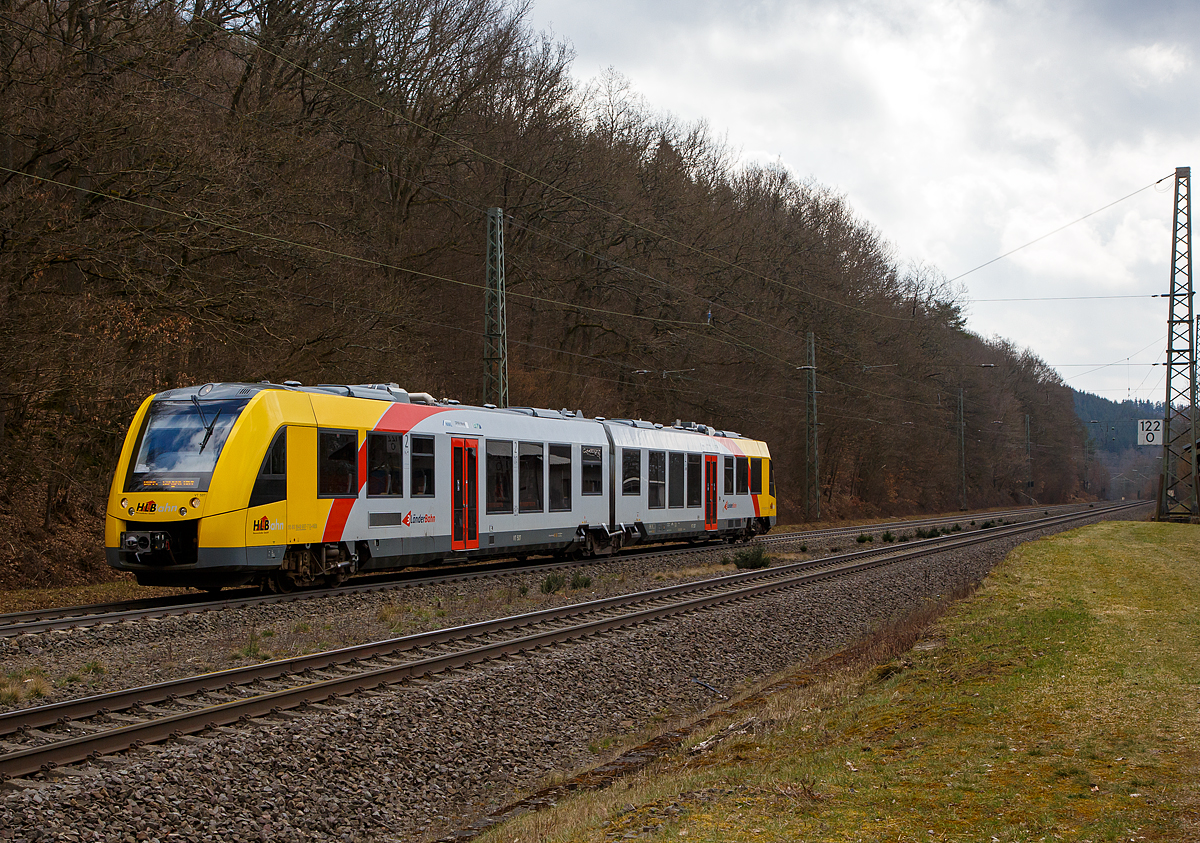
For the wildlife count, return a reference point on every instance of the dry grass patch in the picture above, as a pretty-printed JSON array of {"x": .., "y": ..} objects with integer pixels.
[
  {"x": 715, "y": 569},
  {"x": 125, "y": 587},
  {"x": 409, "y": 618},
  {"x": 1061, "y": 702},
  {"x": 20, "y": 685}
]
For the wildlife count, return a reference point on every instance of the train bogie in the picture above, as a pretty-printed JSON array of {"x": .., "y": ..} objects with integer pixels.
[{"x": 287, "y": 485}]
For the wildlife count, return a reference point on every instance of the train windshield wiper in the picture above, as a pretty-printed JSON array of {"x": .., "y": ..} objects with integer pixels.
[
  {"x": 200, "y": 410},
  {"x": 208, "y": 425},
  {"x": 209, "y": 430}
]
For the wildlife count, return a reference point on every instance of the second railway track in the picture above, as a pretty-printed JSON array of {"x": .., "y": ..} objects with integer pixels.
[
  {"x": 43, "y": 738},
  {"x": 43, "y": 620}
]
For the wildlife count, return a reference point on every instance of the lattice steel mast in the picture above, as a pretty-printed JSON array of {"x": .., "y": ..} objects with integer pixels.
[
  {"x": 812, "y": 463},
  {"x": 495, "y": 324},
  {"x": 1177, "y": 485}
]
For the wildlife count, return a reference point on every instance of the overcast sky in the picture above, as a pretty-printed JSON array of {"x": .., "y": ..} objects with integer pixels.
[{"x": 959, "y": 129}]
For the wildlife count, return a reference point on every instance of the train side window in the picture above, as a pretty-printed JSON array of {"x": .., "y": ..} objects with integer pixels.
[
  {"x": 271, "y": 484},
  {"x": 631, "y": 471},
  {"x": 531, "y": 472},
  {"x": 591, "y": 470},
  {"x": 385, "y": 465},
  {"x": 695, "y": 482},
  {"x": 656, "y": 481},
  {"x": 675, "y": 487},
  {"x": 560, "y": 478},
  {"x": 337, "y": 463},
  {"x": 743, "y": 476},
  {"x": 756, "y": 476},
  {"x": 770, "y": 477},
  {"x": 499, "y": 476},
  {"x": 422, "y": 466},
  {"x": 729, "y": 475}
]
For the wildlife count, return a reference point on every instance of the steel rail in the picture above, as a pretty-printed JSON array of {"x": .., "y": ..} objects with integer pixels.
[
  {"x": 72, "y": 617},
  {"x": 45, "y": 757},
  {"x": 62, "y": 712},
  {"x": 67, "y": 710}
]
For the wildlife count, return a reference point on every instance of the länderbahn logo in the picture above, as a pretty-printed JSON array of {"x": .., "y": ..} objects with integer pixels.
[{"x": 410, "y": 519}]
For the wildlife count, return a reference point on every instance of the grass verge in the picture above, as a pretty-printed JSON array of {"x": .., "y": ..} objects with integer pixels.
[{"x": 1060, "y": 702}]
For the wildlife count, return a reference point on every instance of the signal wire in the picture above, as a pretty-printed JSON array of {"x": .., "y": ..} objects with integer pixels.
[{"x": 1060, "y": 228}]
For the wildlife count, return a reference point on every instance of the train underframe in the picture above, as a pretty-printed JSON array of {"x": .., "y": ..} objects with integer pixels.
[{"x": 329, "y": 564}]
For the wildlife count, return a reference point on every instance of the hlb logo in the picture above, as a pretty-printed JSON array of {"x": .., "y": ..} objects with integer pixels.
[
  {"x": 266, "y": 525},
  {"x": 147, "y": 506}
]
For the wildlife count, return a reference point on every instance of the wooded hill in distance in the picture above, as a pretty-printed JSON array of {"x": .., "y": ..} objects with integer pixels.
[
  {"x": 1113, "y": 424},
  {"x": 297, "y": 189},
  {"x": 1130, "y": 470}
]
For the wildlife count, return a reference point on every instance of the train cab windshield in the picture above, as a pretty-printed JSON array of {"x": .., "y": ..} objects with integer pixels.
[{"x": 179, "y": 444}]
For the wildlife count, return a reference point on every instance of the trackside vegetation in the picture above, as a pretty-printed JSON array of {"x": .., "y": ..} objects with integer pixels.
[{"x": 1061, "y": 701}]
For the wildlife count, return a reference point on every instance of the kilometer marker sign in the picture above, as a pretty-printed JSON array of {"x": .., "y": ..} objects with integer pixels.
[{"x": 1150, "y": 431}]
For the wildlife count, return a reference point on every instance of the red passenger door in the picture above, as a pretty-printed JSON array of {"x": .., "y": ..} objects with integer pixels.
[
  {"x": 465, "y": 495},
  {"x": 710, "y": 491}
]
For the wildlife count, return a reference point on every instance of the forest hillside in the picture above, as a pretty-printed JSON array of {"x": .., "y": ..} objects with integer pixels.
[{"x": 246, "y": 190}]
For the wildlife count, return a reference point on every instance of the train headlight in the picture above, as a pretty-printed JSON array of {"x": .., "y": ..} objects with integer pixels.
[
  {"x": 183, "y": 510},
  {"x": 137, "y": 542},
  {"x": 124, "y": 503},
  {"x": 131, "y": 510},
  {"x": 195, "y": 503}
]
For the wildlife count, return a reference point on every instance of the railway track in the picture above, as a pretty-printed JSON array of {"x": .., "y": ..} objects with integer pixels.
[
  {"x": 44, "y": 620},
  {"x": 41, "y": 739}
]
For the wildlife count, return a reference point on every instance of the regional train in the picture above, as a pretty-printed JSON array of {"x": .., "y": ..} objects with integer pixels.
[{"x": 291, "y": 486}]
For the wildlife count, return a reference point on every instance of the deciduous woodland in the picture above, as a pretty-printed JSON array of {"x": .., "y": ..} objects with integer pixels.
[{"x": 240, "y": 190}]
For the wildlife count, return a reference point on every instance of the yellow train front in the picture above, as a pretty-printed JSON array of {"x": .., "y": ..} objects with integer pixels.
[
  {"x": 289, "y": 485},
  {"x": 200, "y": 497}
]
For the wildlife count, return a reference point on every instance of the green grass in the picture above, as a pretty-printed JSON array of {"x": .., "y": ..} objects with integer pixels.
[
  {"x": 749, "y": 558},
  {"x": 553, "y": 582},
  {"x": 253, "y": 648},
  {"x": 1060, "y": 702}
]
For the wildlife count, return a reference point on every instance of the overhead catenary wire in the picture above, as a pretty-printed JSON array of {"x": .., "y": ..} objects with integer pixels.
[
  {"x": 1068, "y": 298},
  {"x": 686, "y": 324},
  {"x": 545, "y": 184},
  {"x": 422, "y": 186},
  {"x": 567, "y": 194},
  {"x": 1060, "y": 228},
  {"x": 1123, "y": 360},
  {"x": 728, "y": 338},
  {"x": 284, "y": 241}
]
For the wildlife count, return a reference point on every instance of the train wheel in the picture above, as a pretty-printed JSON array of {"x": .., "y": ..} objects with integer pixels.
[
  {"x": 334, "y": 580},
  {"x": 281, "y": 582}
]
